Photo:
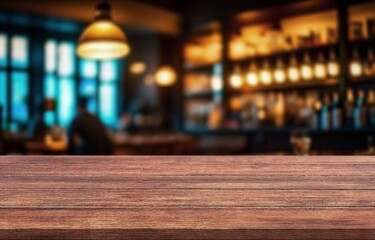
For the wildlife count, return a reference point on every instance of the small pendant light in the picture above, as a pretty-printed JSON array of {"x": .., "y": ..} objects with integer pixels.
[{"x": 103, "y": 39}]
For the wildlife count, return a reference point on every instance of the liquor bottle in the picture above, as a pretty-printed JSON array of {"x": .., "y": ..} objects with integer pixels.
[
  {"x": 317, "y": 113},
  {"x": 356, "y": 67},
  {"x": 320, "y": 69},
  {"x": 265, "y": 74},
  {"x": 371, "y": 108},
  {"x": 325, "y": 116},
  {"x": 215, "y": 116},
  {"x": 337, "y": 116},
  {"x": 333, "y": 65},
  {"x": 359, "y": 112},
  {"x": 293, "y": 71},
  {"x": 279, "y": 74},
  {"x": 306, "y": 68},
  {"x": 349, "y": 107},
  {"x": 369, "y": 64},
  {"x": 279, "y": 110}
]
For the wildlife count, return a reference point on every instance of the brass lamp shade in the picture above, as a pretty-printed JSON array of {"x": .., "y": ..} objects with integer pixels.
[{"x": 103, "y": 40}]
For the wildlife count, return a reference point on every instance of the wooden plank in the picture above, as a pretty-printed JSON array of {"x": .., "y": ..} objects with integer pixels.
[
  {"x": 187, "y": 197},
  {"x": 200, "y": 218},
  {"x": 189, "y": 234},
  {"x": 189, "y": 182},
  {"x": 182, "y": 198},
  {"x": 188, "y": 170},
  {"x": 188, "y": 160}
]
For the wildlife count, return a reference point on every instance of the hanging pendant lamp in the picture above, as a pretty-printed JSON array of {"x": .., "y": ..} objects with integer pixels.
[{"x": 103, "y": 39}]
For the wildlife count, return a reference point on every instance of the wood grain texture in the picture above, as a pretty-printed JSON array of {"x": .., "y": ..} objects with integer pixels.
[{"x": 187, "y": 197}]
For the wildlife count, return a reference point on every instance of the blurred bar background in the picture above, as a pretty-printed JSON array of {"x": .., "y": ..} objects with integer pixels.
[{"x": 203, "y": 77}]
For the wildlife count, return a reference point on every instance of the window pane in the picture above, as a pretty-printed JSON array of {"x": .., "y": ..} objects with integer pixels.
[
  {"x": 87, "y": 88},
  {"x": 20, "y": 90},
  {"x": 49, "y": 118},
  {"x": 66, "y": 60},
  {"x": 20, "y": 58},
  {"x": 50, "y": 56},
  {"x": 66, "y": 103},
  {"x": 108, "y": 106},
  {"x": 91, "y": 105},
  {"x": 109, "y": 71},
  {"x": 3, "y": 50},
  {"x": 50, "y": 87},
  {"x": 88, "y": 69},
  {"x": 3, "y": 95}
]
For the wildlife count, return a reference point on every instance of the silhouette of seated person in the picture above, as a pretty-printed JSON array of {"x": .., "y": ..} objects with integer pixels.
[
  {"x": 87, "y": 135},
  {"x": 38, "y": 128}
]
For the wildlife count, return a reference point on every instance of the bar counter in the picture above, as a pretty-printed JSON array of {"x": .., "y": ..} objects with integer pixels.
[{"x": 170, "y": 197}]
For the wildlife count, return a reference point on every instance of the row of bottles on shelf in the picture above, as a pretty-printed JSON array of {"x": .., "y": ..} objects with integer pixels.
[
  {"x": 280, "y": 73},
  {"x": 319, "y": 69},
  {"x": 314, "y": 110}
]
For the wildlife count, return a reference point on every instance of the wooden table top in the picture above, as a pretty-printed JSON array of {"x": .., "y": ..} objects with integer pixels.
[{"x": 187, "y": 197}]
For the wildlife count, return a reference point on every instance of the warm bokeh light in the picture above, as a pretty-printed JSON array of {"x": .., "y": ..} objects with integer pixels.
[
  {"x": 216, "y": 83},
  {"x": 280, "y": 75},
  {"x": 165, "y": 76},
  {"x": 103, "y": 40},
  {"x": 306, "y": 72},
  {"x": 266, "y": 76},
  {"x": 138, "y": 68},
  {"x": 293, "y": 74},
  {"x": 252, "y": 78},
  {"x": 333, "y": 69},
  {"x": 237, "y": 49},
  {"x": 356, "y": 69},
  {"x": 236, "y": 80},
  {"x": 320, "y": 71}
]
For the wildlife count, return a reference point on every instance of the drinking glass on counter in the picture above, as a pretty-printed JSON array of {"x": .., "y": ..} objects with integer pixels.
[{"x": 301, "y": 142}]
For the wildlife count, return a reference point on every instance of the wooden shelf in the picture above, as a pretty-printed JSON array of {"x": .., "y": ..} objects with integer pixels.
[
  {"x": 199, "y": 68},
  {"x": 282, "y": 130},
  {"x": 283, "y": 54},
  {"x": 366, "y": 80},
  {"x": 200, "y": 95},
  {"x": 303, "y": 85}
]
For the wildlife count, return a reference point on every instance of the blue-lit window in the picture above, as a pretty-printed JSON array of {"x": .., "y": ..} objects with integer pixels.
[
  {"x": 66, "y": 59},
  {"x": 66, "y": 101},
  {"x": 59, "y": 82},
  {"x": 3, "y": 50},
  {"x": 14, "y": 64},
  {"x": 20, "y": 90},
  {"x": 94, "y": 80},
  {"x": 3, "y": 95},
  {"x": 108, "y": 94},
  {"x": 20, "y": 57}
]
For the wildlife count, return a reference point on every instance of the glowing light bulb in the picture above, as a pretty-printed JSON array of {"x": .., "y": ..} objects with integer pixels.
[
  {"x": 252, "y": 78},
  {"x": 306, "y": 69},
  {"x": 279, "y": 73},
  {"x": 356, "y": 68},
  {"x": 320, "y": 69},
  {"x": 333, "y": 67},
  {"x": 293, "y": 71},
  {"x": 165, "y": 76},
  {"x": 265, "y": 74},
  {"x": 235, "y": 79},
  {"x": 216, "y": 83}
]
